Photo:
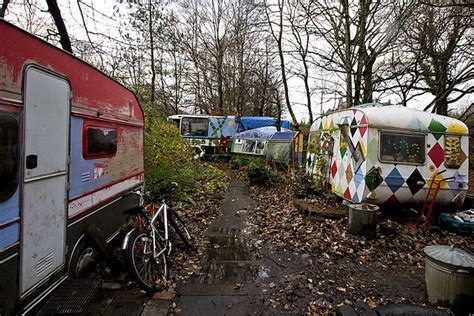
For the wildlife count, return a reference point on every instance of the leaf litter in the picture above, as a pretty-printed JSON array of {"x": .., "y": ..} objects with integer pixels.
[{"x": 322, "y": 265}]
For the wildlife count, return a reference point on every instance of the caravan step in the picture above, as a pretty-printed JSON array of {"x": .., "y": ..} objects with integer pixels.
[{"x": 72, "y": 297}]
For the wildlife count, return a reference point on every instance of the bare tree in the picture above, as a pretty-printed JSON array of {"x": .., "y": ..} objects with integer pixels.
[
  {"x": 355, "y": 37},
  {"x": 300, "y": 29},
  {"x": 277, "y": 30},
  {"x": 64, "y": 39},
  {"x": 439, "y": 42},
  {"x": 3, "y": 8}
]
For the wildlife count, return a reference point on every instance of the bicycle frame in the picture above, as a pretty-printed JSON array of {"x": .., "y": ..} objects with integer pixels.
[{"x": 154, "y": 231}]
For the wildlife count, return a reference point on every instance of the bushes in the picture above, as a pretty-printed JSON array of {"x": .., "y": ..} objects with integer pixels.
[
  {"x": 258, "y": 174},
  {"x": 240, "y": 161},
  {"x": 168, "y": 157}
]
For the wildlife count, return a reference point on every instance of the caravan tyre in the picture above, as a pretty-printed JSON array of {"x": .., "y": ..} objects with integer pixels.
[{"x": 82, "y": 259}]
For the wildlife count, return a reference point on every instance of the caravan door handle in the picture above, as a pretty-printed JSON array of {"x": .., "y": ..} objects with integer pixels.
[{"x": 31, "y": 161}]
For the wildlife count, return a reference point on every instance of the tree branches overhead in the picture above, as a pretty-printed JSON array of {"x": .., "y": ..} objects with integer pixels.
[{"x": 238, "y": 57}]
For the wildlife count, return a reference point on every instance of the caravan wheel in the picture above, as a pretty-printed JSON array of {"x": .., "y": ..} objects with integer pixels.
[{"x": 82, "y": 259}]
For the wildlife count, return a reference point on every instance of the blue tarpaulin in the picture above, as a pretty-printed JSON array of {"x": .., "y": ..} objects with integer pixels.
[
  {"x": 252, "y": 122},
  {"x": 268, "y": 132}
]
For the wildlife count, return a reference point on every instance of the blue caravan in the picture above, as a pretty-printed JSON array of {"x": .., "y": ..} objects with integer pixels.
[{"x": 213, "y": 134}]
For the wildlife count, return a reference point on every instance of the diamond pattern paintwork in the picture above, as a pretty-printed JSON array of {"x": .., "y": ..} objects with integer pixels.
[
  {"x": 358, "y": 177},
  {"x": 353, "y": 128},
  {"x": 347, "y": 194},
  {"x": 343, "y": 151},
  {"x": 339, "y": 188},
  {"x": 373, "y": 179},
  {"x": 394, "y": 180},
  {"x": 415, "y": 182},
  {"x": 436, "y": 155},
  {"x": 437, "y": 128},
  {"x": 463, "y": 156},
  {"x": 362, "y": 148},
  {"x": 349, "y": 173},
  {"x": 372, "y": 151},
  {"x": 391, "y": 200},
  {"x": 354, "y": 177},
  {"x": 355, "y": 198},
  {"x": 334, "y": 169}
]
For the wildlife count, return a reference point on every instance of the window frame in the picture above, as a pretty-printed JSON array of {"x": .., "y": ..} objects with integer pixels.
[
  {"x": 8, "y": 194},
  {"x": 85, "y": 141},
  {"x": 406, "y": 134},
  {"x": 183, "y": 119}
]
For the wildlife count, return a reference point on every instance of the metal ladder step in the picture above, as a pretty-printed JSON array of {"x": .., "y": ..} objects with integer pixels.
[{"x": 71, "y": 297}]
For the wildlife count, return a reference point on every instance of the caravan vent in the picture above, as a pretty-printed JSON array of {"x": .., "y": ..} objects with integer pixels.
[
  {"x": 44, "y": 263},
  {"x": 86, "y": 176}
]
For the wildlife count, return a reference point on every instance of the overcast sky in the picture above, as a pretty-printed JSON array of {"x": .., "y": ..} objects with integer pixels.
[{"x": 108, "y": 21}]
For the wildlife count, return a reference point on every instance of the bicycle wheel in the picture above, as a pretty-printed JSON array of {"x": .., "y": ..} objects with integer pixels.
[
  {"x": 150, "y": 273},
  {"x": 180, "y": 228}
]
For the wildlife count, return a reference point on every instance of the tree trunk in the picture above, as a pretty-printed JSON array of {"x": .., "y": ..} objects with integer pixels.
[
  {"x": 220, "y": 90},
  {"x": 152, "y": 54},
  {"x": 278, "y": 120},
  {"x": 362, "y": 56},
  {"x": 308, "y": 91},
  {"x": 347, "y": 57},
  {"x": 282, "y": 65},
  {"x": 441, "y": 104},
  {"x": 64, "y": 39},
  {"x": 3, "y": 8},
  {"x": 368, "y": 78}
]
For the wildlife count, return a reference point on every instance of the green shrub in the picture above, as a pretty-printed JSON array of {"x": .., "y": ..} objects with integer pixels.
[
  {"x": 258, "y": 174},
  {"x": 235, "y": 163},
  {"x": 168, "y": 157}
]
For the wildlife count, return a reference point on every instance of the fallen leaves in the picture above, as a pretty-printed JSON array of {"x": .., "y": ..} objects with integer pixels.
[
  {"x": 238, "y": 286},
  {"x": 343, "y": 268}
]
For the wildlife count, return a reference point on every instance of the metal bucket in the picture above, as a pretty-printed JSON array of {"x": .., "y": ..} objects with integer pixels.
[
  {"x": 449, "y": 277},
  {"x": 363, "y": 220}
]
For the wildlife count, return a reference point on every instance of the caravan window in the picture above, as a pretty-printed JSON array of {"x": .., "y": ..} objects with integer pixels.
[
  {"x": 99, "y": 142},
  {"x": 8, "y": 155},
  {"x": 402, "y": 148},
  {"x": 194, "y": 126}
]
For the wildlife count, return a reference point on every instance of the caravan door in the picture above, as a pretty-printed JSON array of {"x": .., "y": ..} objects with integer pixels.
[{"x": 45, "y": 177}]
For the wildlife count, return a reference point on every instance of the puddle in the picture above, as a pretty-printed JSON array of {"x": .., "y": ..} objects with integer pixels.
[
  {"x": 229, "y": 257},
  {"x": 230, "y": 248},
  {"x": 227, "y": 273}
]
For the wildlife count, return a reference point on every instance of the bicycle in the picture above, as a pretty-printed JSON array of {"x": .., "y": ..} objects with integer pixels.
[{"x": 147, "y": 247}]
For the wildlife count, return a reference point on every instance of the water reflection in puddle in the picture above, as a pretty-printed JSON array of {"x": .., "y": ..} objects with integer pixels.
[{"x": 230, "y": 258}]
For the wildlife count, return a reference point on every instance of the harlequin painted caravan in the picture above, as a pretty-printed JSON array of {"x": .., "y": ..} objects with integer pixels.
[
  {"x": 71, "y": 147},
  {"x": 389, "y": 155}
]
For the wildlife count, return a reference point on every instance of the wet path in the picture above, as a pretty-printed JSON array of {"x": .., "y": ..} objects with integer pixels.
[{"x": 228, "y": 281}]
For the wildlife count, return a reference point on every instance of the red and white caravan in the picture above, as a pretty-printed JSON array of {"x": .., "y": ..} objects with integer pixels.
[{"x": 71, "y": 146}]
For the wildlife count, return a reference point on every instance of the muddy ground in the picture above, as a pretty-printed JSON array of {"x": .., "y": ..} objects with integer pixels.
[
  {"x": 260, "y": 255},
  {"x": 263, "y": 256}
]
